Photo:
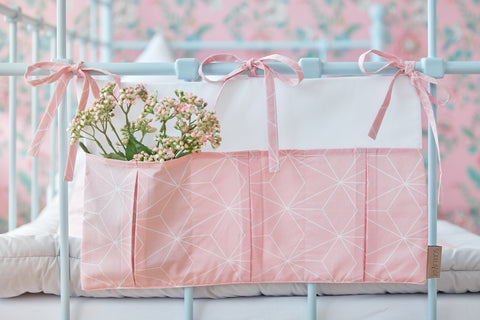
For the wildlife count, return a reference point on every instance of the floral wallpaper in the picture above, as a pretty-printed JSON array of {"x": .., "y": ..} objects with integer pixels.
[{"x": 280, "y": 20}]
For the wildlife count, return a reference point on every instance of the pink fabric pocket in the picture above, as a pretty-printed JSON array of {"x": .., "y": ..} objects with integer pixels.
[
  {"x": 337, "y": 215},
  {"x": 108, "y": 224},
  {"x": 397, "y": 224},
  {"x": 193, "y": 221},
  {"x": 308, "y": 219}
]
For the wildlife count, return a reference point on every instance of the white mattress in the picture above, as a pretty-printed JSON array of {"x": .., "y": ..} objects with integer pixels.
[{"x": 372, "y": 307}]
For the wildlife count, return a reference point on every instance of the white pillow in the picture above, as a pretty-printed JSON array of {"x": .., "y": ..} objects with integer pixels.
[{"x": 157, "y": 50}]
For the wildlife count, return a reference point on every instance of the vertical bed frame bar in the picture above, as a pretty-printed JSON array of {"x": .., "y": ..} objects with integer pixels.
[
  {"x": 82, "y": 56},
  {"x": 432, "y": 161},
  {"x": 377, "y": 32},
  {"x": 63, "y": 185},
  {"x": 188, "y": 303},
  {"x": 12, "y": 103},
  {"x": 312, "y": 301},
  {"x": 311, "y": 68},
  {"x": 93, "y": 30},
  {"x": 34, "y": 209},
  {"x": 69, "y": 95},
  {"x": 52, "y": 183},
  {"x": 106, "y": 32}
]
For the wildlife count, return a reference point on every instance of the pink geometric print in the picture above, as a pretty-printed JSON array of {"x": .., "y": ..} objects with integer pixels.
[
  {"x": 194, "y": 227},
  {"x": 396, "y": 217},
  {"x": 218, "y": 218},
  {"x": 308, "y": 219},
  {"x": 108, "y": 220}
]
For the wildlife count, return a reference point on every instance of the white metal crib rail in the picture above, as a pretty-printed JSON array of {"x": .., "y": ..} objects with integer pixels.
[{"x": 186, "y": 69}]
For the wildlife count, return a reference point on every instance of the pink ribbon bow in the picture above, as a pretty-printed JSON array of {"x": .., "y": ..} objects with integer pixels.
[
  {"x": 419, "y": 81},
  {"x": 63, "y": 72},
  {"x": 252, "y": 65}
]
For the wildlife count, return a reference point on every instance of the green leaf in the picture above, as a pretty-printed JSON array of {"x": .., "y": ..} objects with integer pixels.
[
  {"x": 83, "y": 146},
  {"x": 474, "y": 176},
  {"x": 134, "y": 147}
]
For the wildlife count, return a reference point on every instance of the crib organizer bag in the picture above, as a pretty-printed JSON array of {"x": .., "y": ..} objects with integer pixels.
[{"x": 338, "y": 207}]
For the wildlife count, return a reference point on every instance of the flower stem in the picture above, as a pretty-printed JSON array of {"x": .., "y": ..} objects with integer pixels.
[
  {"x": 94, "y": 139},
  {"x": 110, "y": 142},
  {"x": 118, "y": 137}
]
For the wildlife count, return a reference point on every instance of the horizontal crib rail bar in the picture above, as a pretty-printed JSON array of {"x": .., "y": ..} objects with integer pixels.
[
  {"x": 169, "y": 69},
  {"x": 103, "y": 2},
  {"x": 462, "y": 67},
  {"x": 260, "y": 45},
  {"x": 250, "y": 45}
]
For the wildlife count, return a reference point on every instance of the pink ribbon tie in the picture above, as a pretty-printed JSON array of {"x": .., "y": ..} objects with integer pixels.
[
  {"x": 63, "y": 73},
  {"x": 419, "y": 81},
  {"x": 252, "y": 65}
]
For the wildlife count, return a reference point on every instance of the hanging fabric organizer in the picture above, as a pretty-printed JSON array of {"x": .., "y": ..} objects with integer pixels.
[{"x": 339, "y": 207}]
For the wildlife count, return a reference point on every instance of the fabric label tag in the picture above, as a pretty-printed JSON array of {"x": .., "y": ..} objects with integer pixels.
[{"x": 434, "y": 261}]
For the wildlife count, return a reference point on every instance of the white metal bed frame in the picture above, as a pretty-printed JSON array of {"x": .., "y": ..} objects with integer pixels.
[{"x": 186, "y": 69}]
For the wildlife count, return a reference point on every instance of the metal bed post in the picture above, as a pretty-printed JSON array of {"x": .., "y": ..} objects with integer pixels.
[
  {"x": 93, "y": 31},
  {"x": 35, "y": 199},
  {"x": 432, "y": 160},
  {"x": 187, "y": 70},
  {"x": 322, "y": 49},
  {"x": 311, "y": 68},
  {"x": 69, "y": 94},
  {"x": 106, "y": 31},
  {"x": 63, "y": 185},
  {"x": 82, "y": 54},
  {"x": 12, "y": 96},
  {"x": 52, "y": 183},
  {"x": 311, "y": 301},
  {"x": 188, "y": 303},
  {"x": 377, "y": 32}
]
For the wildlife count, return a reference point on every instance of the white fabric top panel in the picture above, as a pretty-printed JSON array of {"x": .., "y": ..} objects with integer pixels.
[{"x": 318, "y": 113}]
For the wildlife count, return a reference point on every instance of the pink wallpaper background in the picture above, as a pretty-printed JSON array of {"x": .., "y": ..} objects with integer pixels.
[{"x": 405, "y": 22}]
